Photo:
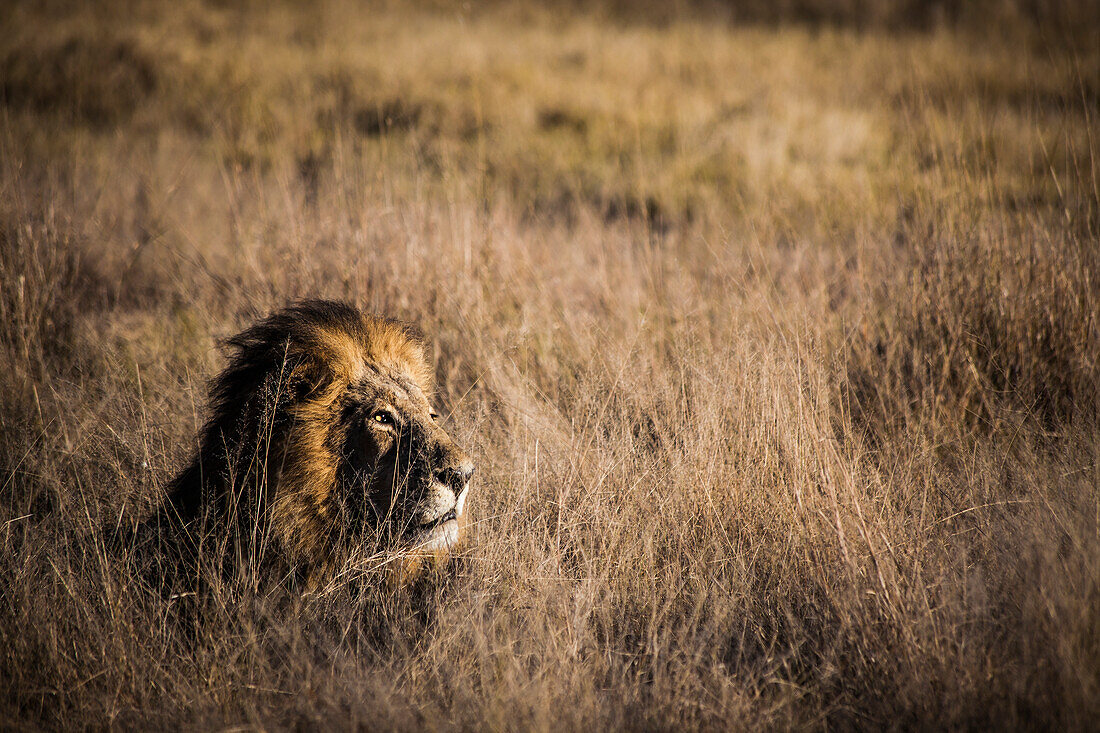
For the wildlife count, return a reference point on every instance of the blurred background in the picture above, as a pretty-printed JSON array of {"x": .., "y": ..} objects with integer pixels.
[{"x": 773, "y": 328}]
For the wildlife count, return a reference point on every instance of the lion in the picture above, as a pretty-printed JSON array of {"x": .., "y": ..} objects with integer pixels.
[{"x": 322, "y": 450}]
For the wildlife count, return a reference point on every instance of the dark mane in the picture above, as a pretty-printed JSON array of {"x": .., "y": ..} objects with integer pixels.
[{"x": 271, "y": 365}]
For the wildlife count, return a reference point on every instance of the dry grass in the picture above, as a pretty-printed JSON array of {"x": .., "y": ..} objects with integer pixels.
[{"x": 777, "y": 349}]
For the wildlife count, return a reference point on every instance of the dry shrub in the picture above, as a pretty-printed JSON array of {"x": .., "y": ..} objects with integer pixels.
[{"x": 100, "y": 81}]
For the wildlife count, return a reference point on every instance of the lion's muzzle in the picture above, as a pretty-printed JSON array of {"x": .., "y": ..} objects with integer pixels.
[{"x": 442, "y": 516}]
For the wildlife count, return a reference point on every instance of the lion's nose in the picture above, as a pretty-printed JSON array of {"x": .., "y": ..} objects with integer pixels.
[{"x": 455, "y": 477}]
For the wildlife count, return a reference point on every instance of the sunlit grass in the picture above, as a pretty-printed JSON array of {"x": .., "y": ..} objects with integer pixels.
[{"x": 776, "y": 347}]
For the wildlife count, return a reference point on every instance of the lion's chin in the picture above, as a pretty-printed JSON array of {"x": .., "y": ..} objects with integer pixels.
[
  {"x": 440, "y": 538},
  {"x": 431, "y": 549}
]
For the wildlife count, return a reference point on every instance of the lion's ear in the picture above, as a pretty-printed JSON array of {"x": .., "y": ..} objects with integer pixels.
[{"x": 309, "y": 376}]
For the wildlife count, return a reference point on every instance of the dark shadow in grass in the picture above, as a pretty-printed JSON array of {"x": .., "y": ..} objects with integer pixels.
[{"x": 100, "y": 82}]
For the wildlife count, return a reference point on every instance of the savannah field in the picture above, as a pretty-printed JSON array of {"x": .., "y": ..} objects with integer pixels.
[{"x": 774, "y": 335}]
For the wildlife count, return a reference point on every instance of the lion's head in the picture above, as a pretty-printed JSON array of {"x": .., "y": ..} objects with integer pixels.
[{"x": 323, "y": 445}]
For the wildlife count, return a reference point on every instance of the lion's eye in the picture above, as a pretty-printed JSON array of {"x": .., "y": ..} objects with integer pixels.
[
  {"x": 433, "y": 415},
  {"x": 383, "y": 418}
]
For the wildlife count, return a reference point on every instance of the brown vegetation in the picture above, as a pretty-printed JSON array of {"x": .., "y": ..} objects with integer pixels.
[{"x": 776, "y": 347}]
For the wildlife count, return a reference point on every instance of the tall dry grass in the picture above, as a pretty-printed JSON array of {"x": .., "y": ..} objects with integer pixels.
[{"x": 776, "y": 347}]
